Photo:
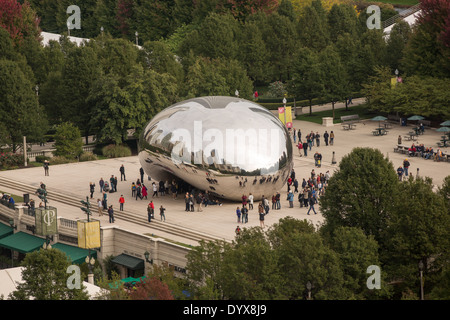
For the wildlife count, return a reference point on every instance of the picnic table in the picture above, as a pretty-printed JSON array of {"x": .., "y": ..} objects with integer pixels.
[
  {"x": 348, "y": 126},
  {"x": 443, "y": 142},
  {"x": 412, "y": 135},
  {"x": 379, "y": 131}
]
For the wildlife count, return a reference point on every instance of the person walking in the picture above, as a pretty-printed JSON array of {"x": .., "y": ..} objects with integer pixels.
[
  {"x": 141, "y": 172},
  {"x": 317, "y": 136},
  {"x": 250, "y": 201},
  {"x": 261, "y": 216},
  {"x": 186, "y": 202},
  {"x": 161, "y": 213},
  {"x": 406, "y": 165},
  {"x": 133, "y": 189},
  {"x": 244, "y": 212},
  {"x": 144, "y": 192},
  {"x": 331, "y": 138},
  {"x": 122, "y": 173},
  {"x": 150, "y": 211},
  {"x": 325, "y": 137},
  {"x": 305, "y": 148},
  {"x": 92, "y": 189},
  {"x": 199, "y": 201},
  {"x": 238, "y": 214},
  {"x": 300, "y": 147},
  {"x": 290, "y": 198},
  {"x": 101, "y": 183},
  {"x": 155, "y": 190},
  {"x": 46, "y": 165},
  {"x": 400, "y": 173},
  {"x": 105, "y": 200},
  {"x": 111, "y": 214},
  {"x": 311, "y": 205},
  {"x": 100, "y": 207},
  {"x": 121, "y": 202}
]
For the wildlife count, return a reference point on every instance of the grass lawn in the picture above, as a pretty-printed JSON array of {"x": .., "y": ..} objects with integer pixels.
[{"x": 316, "y": 117}]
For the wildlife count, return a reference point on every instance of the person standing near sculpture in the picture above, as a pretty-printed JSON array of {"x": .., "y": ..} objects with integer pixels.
[{"x": 122, "y": 173}]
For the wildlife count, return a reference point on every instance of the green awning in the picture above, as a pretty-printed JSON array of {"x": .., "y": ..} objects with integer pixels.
[
  {"x": 77, "y": 255},
  {"x": 22, "y": 242},
  {"x": 130, "y": 262},
  {"x": 5, "y": 230}
]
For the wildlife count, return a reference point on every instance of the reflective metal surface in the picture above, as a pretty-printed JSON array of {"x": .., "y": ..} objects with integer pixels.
[{"x": 225, "y": 145}]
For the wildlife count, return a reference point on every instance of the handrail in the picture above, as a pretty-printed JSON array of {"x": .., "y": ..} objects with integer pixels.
[{"x": 402, "y": 15}]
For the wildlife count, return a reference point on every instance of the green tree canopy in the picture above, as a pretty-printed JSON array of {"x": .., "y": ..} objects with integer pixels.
[
  {"x": 45, "y": 278},
  {"x": 68, "y": 141},
  {"x": 361, "y": 193}
]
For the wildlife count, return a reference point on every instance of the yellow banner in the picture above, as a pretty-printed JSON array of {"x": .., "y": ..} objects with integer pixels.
[
  {"x": 281, "y": 114},
  {"x": 288, "y": 117},
  {"x": 393, "y": 82},
  {"x": 88, "y": 234}
]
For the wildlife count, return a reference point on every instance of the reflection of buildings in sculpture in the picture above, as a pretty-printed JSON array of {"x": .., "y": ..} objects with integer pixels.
[{"x": 164, "y": 151}]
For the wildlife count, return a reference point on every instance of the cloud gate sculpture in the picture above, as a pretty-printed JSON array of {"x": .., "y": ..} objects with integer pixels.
[{"x": 224, "y": 145}]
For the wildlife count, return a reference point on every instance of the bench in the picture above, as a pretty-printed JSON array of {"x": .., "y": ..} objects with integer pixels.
[
  {"x": 348, "y": 122},
  {"x": 350, "y": 119}
]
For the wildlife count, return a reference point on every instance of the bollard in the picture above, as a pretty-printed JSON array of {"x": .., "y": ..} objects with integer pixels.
[{"x": 333, "y": 161}]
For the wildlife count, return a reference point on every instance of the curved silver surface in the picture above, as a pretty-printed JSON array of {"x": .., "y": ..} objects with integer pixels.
[{"x": 225, "y": 145}]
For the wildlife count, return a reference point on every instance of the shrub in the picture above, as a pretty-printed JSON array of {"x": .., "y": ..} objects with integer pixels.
[
  {"x": 115, "y": 151},
  {"x": 88, "y": 156},
  {"x": 8, "y": 159},
  {"x": 68, "y": 141},
  {"x": 61, "y": 160},
  {"x": 41, "y": 159}
]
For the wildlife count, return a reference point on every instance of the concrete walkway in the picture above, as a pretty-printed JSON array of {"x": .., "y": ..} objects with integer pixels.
[{"x": 73, "y": 179}]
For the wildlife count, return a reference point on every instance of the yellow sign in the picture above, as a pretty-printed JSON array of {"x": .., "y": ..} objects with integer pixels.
[
  {"x": 393, "y": 82},
  {"x": 285, "y": 115},
  {"x": 88, "y": 234}
]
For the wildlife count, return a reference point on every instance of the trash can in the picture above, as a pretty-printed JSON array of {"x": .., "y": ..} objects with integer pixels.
[{"x": 403, "y": 122}]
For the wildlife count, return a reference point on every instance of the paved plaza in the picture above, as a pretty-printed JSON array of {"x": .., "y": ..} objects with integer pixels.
[{"x": 221, "y": 221}]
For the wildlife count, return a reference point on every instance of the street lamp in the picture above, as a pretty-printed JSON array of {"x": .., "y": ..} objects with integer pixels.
[
  {"x": 309, "y": 287},
  {"x": 284, "y": 106},
  {"x": 236, "y": 93},
  {"x": 147, "y": 255},
  {"x": 421, "y": 279},
  {"x": 136, "y": 34},
  {"x": 102, "y": 29},
  {"x": 68, "y": 28},
  {"x": 90, "y": 261}
]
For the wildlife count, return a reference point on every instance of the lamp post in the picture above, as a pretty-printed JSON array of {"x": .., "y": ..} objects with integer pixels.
[
  {"x": 11, "y": 223},
  {"x": 68, "y": 28},
  {"x": 136, "y": 34},
  {"x": 309, "y": 287},
  {"x": 147, "y": 255},
  {"x": 421, "y": 279},
  {"x": 284, "y": 108},
  {"x": 236, "y": 93},
  {"x": 90, "y": 262}
]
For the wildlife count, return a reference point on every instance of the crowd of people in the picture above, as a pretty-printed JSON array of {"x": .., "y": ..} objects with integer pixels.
[
  {"x": 426, "y": 153},
  {"x": 312, "y": 139}
]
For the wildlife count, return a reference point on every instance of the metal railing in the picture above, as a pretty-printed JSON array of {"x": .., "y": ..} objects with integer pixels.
[{"x": 402, "y": 15}]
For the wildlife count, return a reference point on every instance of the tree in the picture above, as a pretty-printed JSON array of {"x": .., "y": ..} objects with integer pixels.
[
  {"x": 68, "y": 141},
  {"x": 361, "y": 193},
  {"x": 151, "y": 289},
  {"x": 313, "y": 27},
  {"x": 417, "y": 230},
  {"x": 357, "y": 252},
  {"x": 19, "y": 20},
  {"x": 428, "y": 51},
  {"x": 20, "y": 111},
  {"x": 307, "y": 77},
  {"x": 342, "y": 19},
  {"x": 45, "y": 278},
  {"x": 335, "y": 81},
  {"x": 396, "y": 43}
]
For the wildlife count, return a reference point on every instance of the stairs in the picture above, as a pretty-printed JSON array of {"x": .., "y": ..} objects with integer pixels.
[{"x": 125, "y": 215}]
